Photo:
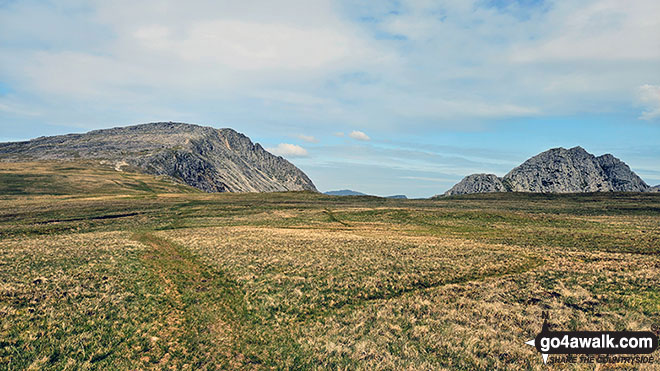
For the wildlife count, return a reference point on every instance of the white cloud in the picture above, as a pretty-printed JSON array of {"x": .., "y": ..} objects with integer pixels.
[
  {"x": 603, "y": 30},
  {"x": 355, "y": 134},
  {"x": 7, "y": 106},
  {"x": 307, "y": 138},
  {"x": 649, "y": 95},
  {"x": 288, "y": 150},
  {"x": 161, "y": 49},
  {"x": 249, "y": 45},
  {"x": 259, "y": 62}
]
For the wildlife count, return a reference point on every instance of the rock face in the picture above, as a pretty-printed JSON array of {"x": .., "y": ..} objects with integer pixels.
[
  {"x": 477, "y": 183},
  {"x": 558, "y": 170},
  {"x": 213, "y": 160}
]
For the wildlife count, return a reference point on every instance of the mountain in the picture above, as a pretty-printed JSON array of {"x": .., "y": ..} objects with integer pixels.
[
  {"x": 213, "y": 160},
  {"x": 558, "y": 170},
  {"x": 655, "y": 188},
  {"x": 344, "y": 192},
  {"x": 477, "y": 183},
  {"x": 348, "y": 192}
]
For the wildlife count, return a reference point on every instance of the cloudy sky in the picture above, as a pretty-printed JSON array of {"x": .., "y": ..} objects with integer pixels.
[{"x": 383, "y": 97}]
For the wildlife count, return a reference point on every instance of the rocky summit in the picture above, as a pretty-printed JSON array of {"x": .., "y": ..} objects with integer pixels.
[
  {"x": 213, "y": 160},
  {"x": 558, "y": 170}
]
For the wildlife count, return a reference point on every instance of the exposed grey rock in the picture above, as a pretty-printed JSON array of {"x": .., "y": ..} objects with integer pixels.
[
  {"x": 621, "y": 178},
  {"x": 558, "y": 170},
  {"x": 213, "y": 160},
  {"x": 477, "y": 183}
]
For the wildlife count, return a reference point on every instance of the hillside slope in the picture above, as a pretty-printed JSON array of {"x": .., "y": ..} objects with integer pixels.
[
  {"x": 81, "y": 178},
  {"x": 213, "y": 160}
]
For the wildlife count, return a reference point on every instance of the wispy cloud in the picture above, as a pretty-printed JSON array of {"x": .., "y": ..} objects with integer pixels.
[
  {"x": 288, "y": 150},
  {"x": 429, "y": 179},
  {"x": 358, "y": 135},
  {"x": 649, "y": 96},
  {"x": 252, "y": 45},
  {"x": 13, "y": 108},
  {"x": 307, "y": 138}
]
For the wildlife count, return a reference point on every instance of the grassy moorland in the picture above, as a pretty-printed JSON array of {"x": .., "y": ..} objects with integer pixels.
[{"x": 101, "y": 269}]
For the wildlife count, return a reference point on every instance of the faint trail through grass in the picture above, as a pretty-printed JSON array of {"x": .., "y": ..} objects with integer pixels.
[
  {"x": 333, "y": 218},
  {"x": 202, "y": 306},
  {"x": 527, "y": 263}
]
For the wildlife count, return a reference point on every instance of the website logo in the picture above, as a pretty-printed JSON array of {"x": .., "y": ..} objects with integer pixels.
[{"x": 602, "y": 343}]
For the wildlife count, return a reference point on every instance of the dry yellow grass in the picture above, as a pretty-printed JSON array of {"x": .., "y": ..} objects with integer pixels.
[
  {"x": 79, "y": 178},
  {"x": 74, "y": 300},
  {"x": 143, "y": 280},
  {"x": 370, "y": 298}
]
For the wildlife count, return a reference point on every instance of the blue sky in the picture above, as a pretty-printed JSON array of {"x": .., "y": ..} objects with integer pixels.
[{"x": 383, "y": 97}]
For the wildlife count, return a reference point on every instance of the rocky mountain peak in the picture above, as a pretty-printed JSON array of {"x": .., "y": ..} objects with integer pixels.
[
  {"x": 577, "y": 150},
  {"x": 213, "y": 160},
  {"x": 558, "y": 170}
]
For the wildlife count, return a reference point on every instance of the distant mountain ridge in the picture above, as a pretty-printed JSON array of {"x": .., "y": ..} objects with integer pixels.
[
  {"x": 558, "y": 170},
  {"x": 348, "y": 192},
  {"x": 344, "y": 192},
  {"x": 213, "y": 160}
]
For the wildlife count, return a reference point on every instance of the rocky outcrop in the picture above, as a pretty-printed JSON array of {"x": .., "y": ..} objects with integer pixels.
[
  {"x": 558, "y": 170},
  {"x": 477, "y": 183},
  {"x": 213, "y": 160},
  {"x": 620, "y": 176},
  {"x": 573, "y": 170}
]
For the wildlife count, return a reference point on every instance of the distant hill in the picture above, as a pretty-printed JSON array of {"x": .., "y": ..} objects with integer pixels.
[
  {"x": 348, "y": 192},
  {"x": 558, "y": 170},
  {"x": 344, "y": 192},
  {"x": 209, "y": 159}
]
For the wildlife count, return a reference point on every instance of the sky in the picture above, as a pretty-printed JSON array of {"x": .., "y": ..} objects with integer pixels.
[{"x": 382, "y": 97}]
